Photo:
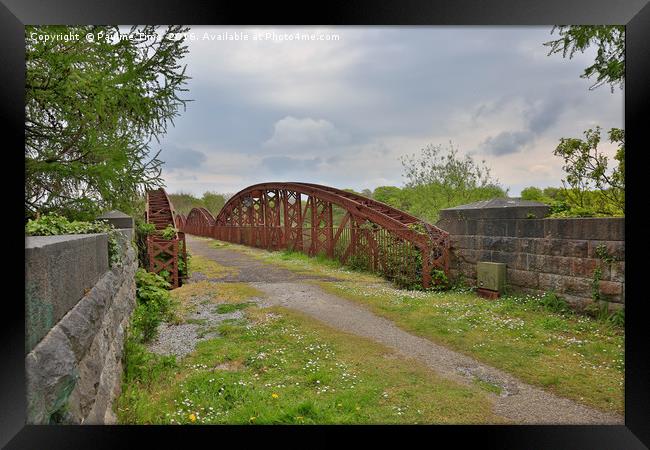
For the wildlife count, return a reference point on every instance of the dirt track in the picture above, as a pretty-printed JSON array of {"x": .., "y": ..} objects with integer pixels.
[{"x": 518, "y": 403}]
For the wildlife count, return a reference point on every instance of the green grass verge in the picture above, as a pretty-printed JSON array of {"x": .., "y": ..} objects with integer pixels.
[
  {"x": 572, "y": 355},
  {"x": 298, "y": 262},
  {"x": 210, "y": 268},
  {"x": 280, "y": 367}
]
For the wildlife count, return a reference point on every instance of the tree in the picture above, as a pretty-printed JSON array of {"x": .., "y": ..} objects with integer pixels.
[
  {"x": 609, "y": 65},
  {"x": 456, "y": 177},
  {"x": 93, "y": 108},
  {"x": 213, "y": 202},
  {"x": 585, "y": 165},
  {"x": 439, "y": 178},
  {"x": 386, "y": 194},
  {"x": 587, "y": 168}
]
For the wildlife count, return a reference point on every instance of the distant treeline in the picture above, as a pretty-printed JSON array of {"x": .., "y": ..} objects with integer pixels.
[{"x": 184, "y": 202}]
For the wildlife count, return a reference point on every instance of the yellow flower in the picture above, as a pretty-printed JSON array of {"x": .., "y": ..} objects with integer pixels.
[
  {"x": 252, "y": 418},
  {"x": 274, "y": 395},
  {"x": 192, "y": 417}
]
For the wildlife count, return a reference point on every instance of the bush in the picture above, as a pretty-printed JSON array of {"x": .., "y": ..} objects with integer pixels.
[
  {"x": 53, "y": 225},
  {"x": 169, "y": 233},
  {"x": 617, "y": 318},
  {"x": 439, "y": 280},
  {"x": 142, "y": 230},
  {"x": 154, "y": 304},
  {"x": 141, "y": 365},
  {"x": 552, "y": 302}
]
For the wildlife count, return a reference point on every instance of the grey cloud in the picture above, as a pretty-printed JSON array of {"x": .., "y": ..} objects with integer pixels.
[
  {"x": 287, "y": 164},
  {"x": 181, "y": 158},
  {"x": 540, "y": 115},
  {"x": 545, "y": 114},
  {"x": 507, "y": 142},
  {"x": 402, "y": 85}
]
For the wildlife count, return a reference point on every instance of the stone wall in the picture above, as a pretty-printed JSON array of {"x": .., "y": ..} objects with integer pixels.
[
  {"x": 77, "y": 309},
  {"x": 540, "y": 254}
]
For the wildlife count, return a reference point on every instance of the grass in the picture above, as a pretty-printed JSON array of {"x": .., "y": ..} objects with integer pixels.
[
  {"x": 210, "y": 268},
  {"x": 226, "y": 308},
  {"x": 571, "y": 355},
  {"x": 298, "y": 262},
  {"x": 281, "y": 367},
  {"x": 184, "y": 297}
]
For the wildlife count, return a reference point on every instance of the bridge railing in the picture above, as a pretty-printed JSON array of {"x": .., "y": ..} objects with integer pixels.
[{"x": 377, "y": 249}]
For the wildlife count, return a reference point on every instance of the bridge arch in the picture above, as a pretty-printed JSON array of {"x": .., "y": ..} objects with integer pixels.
[
  {"x": 318, "y": 219},
  {"x": 165, "y": 255}
]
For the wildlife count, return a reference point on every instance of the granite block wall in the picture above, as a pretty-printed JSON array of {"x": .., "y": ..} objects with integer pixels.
[
  {"x": 541, "y": 254},
  {"x": 77, "y": 309}
]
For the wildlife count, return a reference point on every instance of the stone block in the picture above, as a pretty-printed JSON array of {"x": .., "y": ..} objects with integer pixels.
[
  {"x": 492, "y": 227},
  {"x": 118, "y": 219},
  {"x": 562, "y": 247},
  {"x": 610, "y": 288},
  {"x": 551, "y": 247},
  {"x": 453, "y": 226},
  {"x": 523, "y": 278},
  {"x": 58, "y": 272},
  {"x": 75, "y": 370},
  {"x": 617, "y": 272},
  {"x": 579, "y": 287},
  {"x": 584, "y": 267},
  {"x": 51, "y": 372},
  {"x": 463, "y": 241},
  {"x": 556, "y": 264},
  {"x": 576, "y": 248},
  {"x": 530, "y": 228},
  {"x": 501, "y": 208},
  {"x": 526, "y": 245},
  {"x": 535, "y": 262},
  {"x": 614, "y": 248},
  {"x": 511, "y": 259},
  {"x": 465, "y": 255},
  {"x": 498, "y": 243},
  {"x": 586, "y": 228}
]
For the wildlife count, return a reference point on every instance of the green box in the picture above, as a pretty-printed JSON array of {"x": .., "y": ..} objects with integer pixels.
[{"x": 491, "y": 275}]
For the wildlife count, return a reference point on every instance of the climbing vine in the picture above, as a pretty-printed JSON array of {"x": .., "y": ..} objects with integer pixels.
[{"x": 602, "y": 302}]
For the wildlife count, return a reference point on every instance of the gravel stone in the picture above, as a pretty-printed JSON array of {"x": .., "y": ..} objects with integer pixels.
[{"x": 519, "y": 402}]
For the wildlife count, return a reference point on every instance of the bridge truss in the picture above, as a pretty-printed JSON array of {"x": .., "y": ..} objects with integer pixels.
[
  {"x": 314, "y": 219},
  {"x": 165, "y": 255}
]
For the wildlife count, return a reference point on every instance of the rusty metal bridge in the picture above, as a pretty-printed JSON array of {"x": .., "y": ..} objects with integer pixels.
[
  {"x": 314, "y": 219},
  {"x": 165, "y": 255}
]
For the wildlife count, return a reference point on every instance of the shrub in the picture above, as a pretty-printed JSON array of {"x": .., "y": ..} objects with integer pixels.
[
  {"x": 617, "y": 318},
  {"x": 169, "y": 232},
  {"x": 142, "y": 230},
  {"x": 552, "y": 302},
  {"x": 154, "y": 304},
  {"x": 439, "y": 280},
  {"x": 53, "y": 224}
]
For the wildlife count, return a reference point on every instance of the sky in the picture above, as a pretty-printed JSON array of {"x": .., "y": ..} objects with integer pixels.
[{"x": 342, "y": 111}]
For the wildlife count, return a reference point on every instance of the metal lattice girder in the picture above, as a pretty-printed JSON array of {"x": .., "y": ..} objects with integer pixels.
[
  {"x": 164, "y": 253},
  {"x": 299, "y": 216}
]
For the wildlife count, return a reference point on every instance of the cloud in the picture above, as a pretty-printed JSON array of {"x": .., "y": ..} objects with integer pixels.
[
  {"x": 507, "y": 142},
  {"x": 342, "y": 113},
  {"x": 539, "y": 116},
  {"x": 181, "y": 158},
  {"x": 303, "y": 134},
  {"x": 288, "y": 164}
]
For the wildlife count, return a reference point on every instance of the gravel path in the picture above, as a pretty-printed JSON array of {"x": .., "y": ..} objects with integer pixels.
[
  {"x": 519, "y": 402},
  {"x": 202, "y": 322}
]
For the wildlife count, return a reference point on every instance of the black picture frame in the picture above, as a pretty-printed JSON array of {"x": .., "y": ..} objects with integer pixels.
[{"x": 14, "y": 14}]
